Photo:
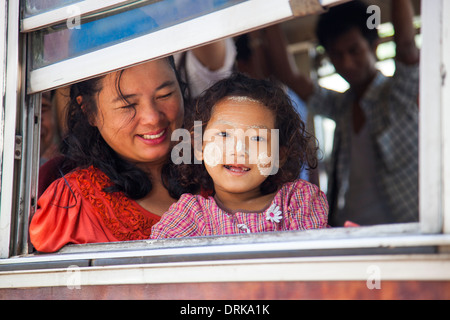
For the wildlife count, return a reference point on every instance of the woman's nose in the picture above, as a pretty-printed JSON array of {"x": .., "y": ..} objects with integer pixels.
[{"x": 150, "y": 114}]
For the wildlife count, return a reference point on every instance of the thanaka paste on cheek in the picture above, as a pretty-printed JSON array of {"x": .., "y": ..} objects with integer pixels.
[
  {"x": 264, "y": 164},
  {"x": 212, "y": 154}
]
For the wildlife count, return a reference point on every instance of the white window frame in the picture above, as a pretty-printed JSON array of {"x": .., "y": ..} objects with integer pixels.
[
  {"x": 433, "y": 230},
  {"x": 9, "y": 12},
  {"x": 62, "y": 14},
  {"x": 434, "y": 138}
]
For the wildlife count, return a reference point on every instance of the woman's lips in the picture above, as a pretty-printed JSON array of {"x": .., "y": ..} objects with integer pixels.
[{"x": 154, "y": 138}]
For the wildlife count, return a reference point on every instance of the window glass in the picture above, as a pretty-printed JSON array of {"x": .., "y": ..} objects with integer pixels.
[
  {"x": 33, "y": 7},
  {"x": 77, "y": 37}
]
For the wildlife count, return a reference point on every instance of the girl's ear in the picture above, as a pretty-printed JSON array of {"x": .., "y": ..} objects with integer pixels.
[{"x": 283, "y": 155}]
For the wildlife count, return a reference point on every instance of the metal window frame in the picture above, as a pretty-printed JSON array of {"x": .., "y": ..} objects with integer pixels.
[
  {"x": 434, "y": 138},
  {"x": 62, "y": 14},
  {"x": 10, "y": 105}
]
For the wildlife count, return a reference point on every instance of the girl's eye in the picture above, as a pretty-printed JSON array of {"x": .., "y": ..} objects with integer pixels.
[
  {"x": 257, "y": 138},
  {"x": 222, "y": 134}
]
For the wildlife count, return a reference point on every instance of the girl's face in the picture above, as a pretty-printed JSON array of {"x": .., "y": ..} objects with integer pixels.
[
  {"x": 237, "y": 145},
  {"x": 140, "y": 128}
]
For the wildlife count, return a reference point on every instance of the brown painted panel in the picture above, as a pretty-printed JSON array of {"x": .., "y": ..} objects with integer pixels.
[{"x": 333, "y": 290}]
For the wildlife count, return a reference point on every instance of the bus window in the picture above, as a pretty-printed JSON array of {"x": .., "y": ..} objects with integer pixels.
[{"x": 50, "y": 69}]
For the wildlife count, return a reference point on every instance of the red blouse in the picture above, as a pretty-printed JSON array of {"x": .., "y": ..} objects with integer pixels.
[{"x": 75, "y": 209}]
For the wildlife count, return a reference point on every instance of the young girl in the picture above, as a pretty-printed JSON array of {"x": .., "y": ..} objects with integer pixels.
[{"x": 254, "y": 146}]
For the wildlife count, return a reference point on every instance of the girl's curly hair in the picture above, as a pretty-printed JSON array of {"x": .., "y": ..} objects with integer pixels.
[{"x": 297, "y": 147}]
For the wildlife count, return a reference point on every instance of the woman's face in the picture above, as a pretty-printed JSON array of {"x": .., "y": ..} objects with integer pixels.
[{"x": 140, "y": 128}]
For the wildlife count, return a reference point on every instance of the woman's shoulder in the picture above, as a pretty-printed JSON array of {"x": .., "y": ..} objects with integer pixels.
[
  {"x": 73, "y": 187},
  {"x": 88, "y": 176}
]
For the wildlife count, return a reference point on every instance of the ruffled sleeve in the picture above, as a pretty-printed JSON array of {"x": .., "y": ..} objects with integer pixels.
[{"x": 61, "y": 219}]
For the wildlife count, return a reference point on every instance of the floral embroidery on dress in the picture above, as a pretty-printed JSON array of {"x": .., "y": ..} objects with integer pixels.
[
  {"x": 119, "y": 214},
  {"x": 274, "y": 213},
  {"x": 243, "y": 227}
]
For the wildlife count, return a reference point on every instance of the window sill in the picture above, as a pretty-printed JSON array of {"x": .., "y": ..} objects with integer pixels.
[{"x": 364, "y": 241}]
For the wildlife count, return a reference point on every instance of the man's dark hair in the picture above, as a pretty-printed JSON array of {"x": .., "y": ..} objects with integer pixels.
[{"x": 341, "y": 19}]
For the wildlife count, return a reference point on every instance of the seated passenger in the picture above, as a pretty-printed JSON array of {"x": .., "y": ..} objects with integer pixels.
[{"x": 253, "y": 149}]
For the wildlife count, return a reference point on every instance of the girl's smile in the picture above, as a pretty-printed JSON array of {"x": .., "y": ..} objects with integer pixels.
[{"x": 237, "y": 170}]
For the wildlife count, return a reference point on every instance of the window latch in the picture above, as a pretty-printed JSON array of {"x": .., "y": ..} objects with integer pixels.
[{"x": 18, "y": 147}]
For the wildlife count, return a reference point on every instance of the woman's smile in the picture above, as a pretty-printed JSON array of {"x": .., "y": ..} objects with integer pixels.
[{"x": 154, "y": 138}]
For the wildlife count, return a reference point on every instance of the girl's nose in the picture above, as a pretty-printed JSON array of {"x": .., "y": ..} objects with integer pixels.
[{"x": 237, "y": 149}]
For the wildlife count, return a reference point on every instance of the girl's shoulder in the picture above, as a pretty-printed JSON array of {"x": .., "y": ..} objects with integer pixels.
[
  {"x": 189, "y": 201},
  {"x": 298, "y": 185},
  {"x": 300, "y": 191}
]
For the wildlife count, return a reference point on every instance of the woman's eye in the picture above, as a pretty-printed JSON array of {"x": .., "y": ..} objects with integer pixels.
[
  {"x": 129, "y": 106},
  {"x": 167, "y": 95}
]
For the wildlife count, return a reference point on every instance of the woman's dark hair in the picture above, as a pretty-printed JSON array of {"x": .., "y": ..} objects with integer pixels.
[
  {"x": 84, "y": 146},
  {"x": 297, "y": 146},
  {"x": 341, "y": 19}
]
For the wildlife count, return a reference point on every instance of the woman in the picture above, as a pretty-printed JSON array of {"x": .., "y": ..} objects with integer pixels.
[{"x": 119, "y": 139}]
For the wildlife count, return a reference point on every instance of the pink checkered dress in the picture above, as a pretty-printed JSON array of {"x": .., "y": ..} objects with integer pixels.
[{"x": 299, "y": 205}]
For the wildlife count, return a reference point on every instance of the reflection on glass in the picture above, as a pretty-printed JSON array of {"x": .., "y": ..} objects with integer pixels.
[
  {"x": 33, "y": 7},
  {"x": 71, "y": 39}
]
